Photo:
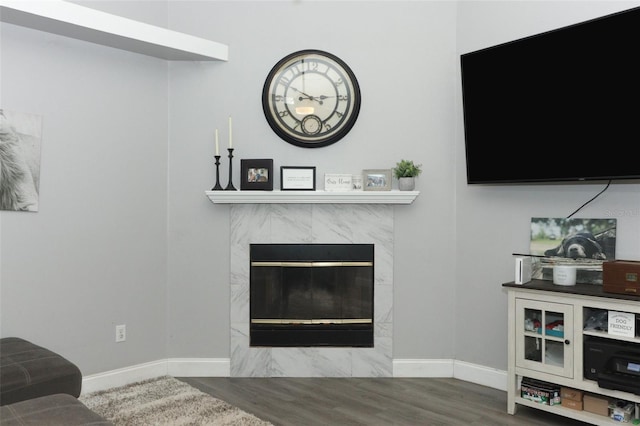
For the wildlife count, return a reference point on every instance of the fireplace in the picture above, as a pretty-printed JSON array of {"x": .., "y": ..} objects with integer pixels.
[
  {"x": 305, "y": 295},
  {"x": 310, "y": 224}
]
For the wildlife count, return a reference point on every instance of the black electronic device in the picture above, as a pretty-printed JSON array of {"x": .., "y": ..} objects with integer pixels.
[
  {"x": 557, "y": 106},
  {"x": 614, "y": 364}
]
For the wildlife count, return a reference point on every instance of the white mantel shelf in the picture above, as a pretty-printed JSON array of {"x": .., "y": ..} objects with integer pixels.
[
  {"x": 312, "y": 197},
  {"x": 87, "y": 24}
]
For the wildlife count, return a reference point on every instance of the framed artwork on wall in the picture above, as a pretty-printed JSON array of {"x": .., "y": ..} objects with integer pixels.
[
  {"x": 256, "y": 175},
  {"x": 20, "y": 142}
]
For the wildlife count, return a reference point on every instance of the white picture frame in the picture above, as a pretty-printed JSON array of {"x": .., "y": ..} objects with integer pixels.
[
  {"x": 376, "y": 180},
  {"x": 337, "y": 182}
]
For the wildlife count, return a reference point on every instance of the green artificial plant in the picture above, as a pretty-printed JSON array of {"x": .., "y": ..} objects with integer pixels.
[{"x": 406, "y": 168}]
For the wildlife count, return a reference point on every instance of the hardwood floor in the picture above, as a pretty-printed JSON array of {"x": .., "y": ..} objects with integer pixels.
[{"x": 372, "y": 401}]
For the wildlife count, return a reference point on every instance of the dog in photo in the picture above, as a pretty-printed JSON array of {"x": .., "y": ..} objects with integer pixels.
[{"x": 582, "y": 245}]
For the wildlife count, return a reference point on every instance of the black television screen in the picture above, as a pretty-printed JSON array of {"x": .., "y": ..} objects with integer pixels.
[{"x": 563, "y": 105}]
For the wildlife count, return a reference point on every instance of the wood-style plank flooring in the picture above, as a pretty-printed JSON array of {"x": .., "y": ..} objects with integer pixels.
[{"x": 372, "y": 402}]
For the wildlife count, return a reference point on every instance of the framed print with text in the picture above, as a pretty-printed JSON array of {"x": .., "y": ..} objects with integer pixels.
[{"x": 297, "y": 178}]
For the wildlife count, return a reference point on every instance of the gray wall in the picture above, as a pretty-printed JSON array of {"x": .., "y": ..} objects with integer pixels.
[
  {"x": 125, "y": 233},
  {"x": 403, "y": 58},
  {"x": 492, "y": 222},
  {"x": 95, "y": 253}
]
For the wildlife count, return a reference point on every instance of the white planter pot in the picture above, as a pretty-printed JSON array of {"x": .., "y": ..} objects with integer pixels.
[{"x": 406, "y": 183}]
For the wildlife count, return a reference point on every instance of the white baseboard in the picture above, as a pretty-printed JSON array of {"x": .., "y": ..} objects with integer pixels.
[
  {"x": 221, "y": 367},
  {"x": 468, "y": 372},
  {"x": 177, "y": 367},
  {"x": 123, "y": 376},
  {"x": 423, "y": 368},
  {"x": 199, "y": 367},
  {"x": 481, "y": 375}
]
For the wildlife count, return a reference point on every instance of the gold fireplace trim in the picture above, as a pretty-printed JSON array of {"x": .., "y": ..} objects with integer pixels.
[
  {"x": 312, "y": 321},
  {"x": 311, "y": 264}
]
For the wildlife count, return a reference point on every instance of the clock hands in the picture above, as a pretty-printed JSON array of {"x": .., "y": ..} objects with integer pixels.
[
  {"x": 301, "y": 92},
  {"x": 320, "y": 99},
  {"x": 323, "y": 97}
]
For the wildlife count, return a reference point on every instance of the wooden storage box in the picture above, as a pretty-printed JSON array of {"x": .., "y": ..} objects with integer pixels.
[
  {"x": 621, "y": 276},
  {"x": 596, "y": 405},
  {"x": 572, "y": 394},
  {"x": 570, "y": 403}
]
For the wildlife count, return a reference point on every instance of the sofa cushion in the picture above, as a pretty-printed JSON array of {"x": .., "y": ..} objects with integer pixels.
[
  {"x": 52, "y": 410},
  {"x": 30, "y": 371}
]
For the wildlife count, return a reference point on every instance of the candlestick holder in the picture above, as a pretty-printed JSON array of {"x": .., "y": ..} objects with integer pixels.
[
  {"x": 230, "y": 186},
  {"x": 217, "y": 187}
]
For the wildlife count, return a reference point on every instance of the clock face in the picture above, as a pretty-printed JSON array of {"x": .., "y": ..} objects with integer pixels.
[{"x": 311, "y": 98}]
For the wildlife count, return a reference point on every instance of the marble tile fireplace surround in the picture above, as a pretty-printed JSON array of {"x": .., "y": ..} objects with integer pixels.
[{"x": 311, "y": 223}]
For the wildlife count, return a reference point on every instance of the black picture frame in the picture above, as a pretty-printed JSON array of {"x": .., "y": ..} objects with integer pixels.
[
  {"x": 297, "y": 178},
  {"x": 256, "y": 174}
]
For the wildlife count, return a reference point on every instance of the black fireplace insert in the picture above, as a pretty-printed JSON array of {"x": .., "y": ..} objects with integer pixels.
[{"x": 311, "y": 295}]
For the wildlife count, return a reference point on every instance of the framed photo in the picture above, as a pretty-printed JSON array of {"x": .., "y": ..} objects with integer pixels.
[
  {"x": 294, "y": 178},
  {"x": 584, "y": 243},
  {"x": 256, "y": 175},
  {"x": 376, "y": 180}
]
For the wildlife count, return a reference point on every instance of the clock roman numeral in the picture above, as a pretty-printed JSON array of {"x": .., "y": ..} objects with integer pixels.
[
  {"x": 295, "y": 70},
  {"x": 283, "y": 80},
  {"x": 309, "y": 65}
]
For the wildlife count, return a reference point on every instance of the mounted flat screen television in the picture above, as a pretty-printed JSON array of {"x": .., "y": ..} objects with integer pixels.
[{"x": 563, "y": 105}]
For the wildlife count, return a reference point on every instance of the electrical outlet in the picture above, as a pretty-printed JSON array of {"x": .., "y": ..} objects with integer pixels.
[{"x": 121, "y": 333}]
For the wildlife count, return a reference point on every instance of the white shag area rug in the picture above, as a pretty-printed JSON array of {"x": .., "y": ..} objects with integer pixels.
[{"x": 165, "y": 401}]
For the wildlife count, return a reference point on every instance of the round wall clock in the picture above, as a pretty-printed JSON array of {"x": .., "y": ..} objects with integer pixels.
[{"x": 311, "y": 98}]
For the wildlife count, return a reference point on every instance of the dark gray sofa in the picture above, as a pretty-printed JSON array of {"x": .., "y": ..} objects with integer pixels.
[{"x": 40, "y": 387}]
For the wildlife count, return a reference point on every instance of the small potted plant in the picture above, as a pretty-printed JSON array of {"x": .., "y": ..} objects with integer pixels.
[{"x": 406, "y": 172}]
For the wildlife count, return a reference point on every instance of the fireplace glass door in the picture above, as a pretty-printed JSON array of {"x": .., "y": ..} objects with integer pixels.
[{"x": 311, "y": 295}]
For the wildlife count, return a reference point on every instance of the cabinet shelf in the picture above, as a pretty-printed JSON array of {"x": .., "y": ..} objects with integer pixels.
[
  {"x": 584, "y": 416},
  {"x": 546, "y": 336},
  {"x": 87, "y": 24},
  {"x": 606, "y": 335}
]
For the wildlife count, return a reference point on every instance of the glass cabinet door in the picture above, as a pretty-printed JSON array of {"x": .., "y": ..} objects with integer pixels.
[{"x": 543, "y": 337}]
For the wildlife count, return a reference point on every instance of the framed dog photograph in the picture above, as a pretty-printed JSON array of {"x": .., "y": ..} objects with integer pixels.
[
  {"x": 584, "y": 243},
  {"x": 376, "y": 180},
  {"x": 256, "y": 175},
  {"x": 296, "y": 178}
]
